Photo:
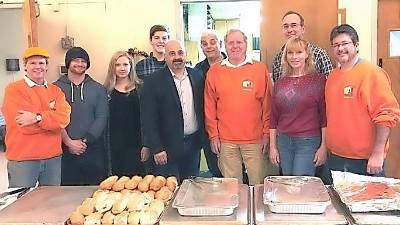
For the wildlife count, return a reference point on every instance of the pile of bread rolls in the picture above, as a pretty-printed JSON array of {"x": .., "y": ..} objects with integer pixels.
[{"x": 126, "y": 200}]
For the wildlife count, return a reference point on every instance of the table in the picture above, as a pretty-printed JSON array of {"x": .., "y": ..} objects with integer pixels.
[{"x": 45, "y": 205}]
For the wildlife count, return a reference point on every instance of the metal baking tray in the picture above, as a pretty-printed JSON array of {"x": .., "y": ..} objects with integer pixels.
[
  {"x": 295, "y": 194},
  {"x": 207, "y": 197}
]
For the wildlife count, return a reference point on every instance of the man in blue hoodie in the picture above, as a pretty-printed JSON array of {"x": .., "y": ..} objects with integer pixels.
[{"x": 84, "y": 155}]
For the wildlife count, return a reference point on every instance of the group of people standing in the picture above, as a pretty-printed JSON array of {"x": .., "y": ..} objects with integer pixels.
[{"x": 156, "y": 115}]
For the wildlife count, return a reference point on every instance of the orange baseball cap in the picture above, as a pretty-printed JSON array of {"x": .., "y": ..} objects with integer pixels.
[{"x": 35, "y": 51}]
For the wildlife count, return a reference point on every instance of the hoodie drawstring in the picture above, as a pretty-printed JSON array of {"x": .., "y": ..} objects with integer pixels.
[
  {"x": 72, "y": 92},
  {"x": 82, "y": 90}
]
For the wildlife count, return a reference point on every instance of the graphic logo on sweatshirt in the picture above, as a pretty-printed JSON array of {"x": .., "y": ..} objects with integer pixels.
[
  {"x": 348, "y": 91},
  {"x": 247, "y": 84}
]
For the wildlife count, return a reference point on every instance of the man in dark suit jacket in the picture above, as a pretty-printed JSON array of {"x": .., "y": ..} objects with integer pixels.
[{"x": 172, "y": 115}]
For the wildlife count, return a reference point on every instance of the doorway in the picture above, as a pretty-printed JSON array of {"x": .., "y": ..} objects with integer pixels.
[
  {"x": 389, "y": 60},
  {"x": 221, "y": 16}
]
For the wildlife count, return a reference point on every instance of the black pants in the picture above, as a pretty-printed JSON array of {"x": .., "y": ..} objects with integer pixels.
[{"x": 86, "y": 169}]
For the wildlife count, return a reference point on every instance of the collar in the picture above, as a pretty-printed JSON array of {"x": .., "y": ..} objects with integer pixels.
[
  {"x": 247, "y": 60},
  {"x": 32, "y": 83},
  {"x": 185, "y": 74},
  {"x": 152, "y": 56}
]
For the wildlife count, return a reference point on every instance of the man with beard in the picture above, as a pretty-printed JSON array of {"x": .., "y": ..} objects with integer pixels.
[
  {"x": 357, "y": 132},
  {"x": 83, "y": 161},
  {"x": 172, "y": 115},
  {"x": 211, "y": 46},
  {"x": 156, "y": 60},
  {"x": 35, "y": 112}
]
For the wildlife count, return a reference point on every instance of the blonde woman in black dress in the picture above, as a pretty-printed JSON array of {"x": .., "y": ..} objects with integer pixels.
[{"x": 126, "y": 150}]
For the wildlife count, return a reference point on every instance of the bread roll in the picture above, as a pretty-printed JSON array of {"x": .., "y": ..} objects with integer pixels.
[
  {"x": 148, "y": 178},
  {"x": 108, "y": 183},
  {"x": 171, "y": 183},
  {"x": 157, "y": 205},
  {"x": 148, "y": 217},
  {"x": 151, "y": 193},
  {"x": 132, "y": 184},
  {"x": 93, "y": 218},
  {"x": 108, "y": 218},
  {"x": 114, "y": 196},
  {"x": 76, "y": 218},
  {"x": 120, "y": 205},
  {"x": 143, "y": 186},
  {"x": 87, "y": 206},
  {"x": 104, "y": 205},
  {"x": 147, "y": 198},
  {"x": 136, "y": 203},
  {"x": 134, "y": 217},
  {"x": 157, "y": 183},
  {"x": 120, "y": 184},
  {"x": 121, "y": 218},
  {"x": 164, "y": 194}
]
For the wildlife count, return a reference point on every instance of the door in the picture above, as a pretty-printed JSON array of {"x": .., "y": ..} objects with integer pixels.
[
  {"x": 319, "y": 16},
  {"x": 389, "y": 59}
]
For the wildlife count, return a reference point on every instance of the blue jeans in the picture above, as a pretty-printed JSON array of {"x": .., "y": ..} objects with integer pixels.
[
  {"x": 188, "y": 164},
  {"x": 358, "y": 166},
  {"x": 27, "y": 173},
  {"x": 297, "y": 154}
]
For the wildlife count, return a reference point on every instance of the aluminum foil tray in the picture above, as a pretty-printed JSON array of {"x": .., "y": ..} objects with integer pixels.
[
  {"x": 207, "y": 197},
  {"x": 295, "y": 194}
]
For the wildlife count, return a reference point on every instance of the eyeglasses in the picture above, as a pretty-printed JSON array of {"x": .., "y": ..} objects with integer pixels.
[
  {"x": 291, "y": 25},
  {"x": 343, "y": 44}
]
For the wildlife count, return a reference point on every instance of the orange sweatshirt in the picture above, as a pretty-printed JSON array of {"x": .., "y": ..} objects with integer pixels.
[
  {"x": 40, "y": 140},
  {"x": 356, "y": 100},
  {"x": 237, "y": 103}
]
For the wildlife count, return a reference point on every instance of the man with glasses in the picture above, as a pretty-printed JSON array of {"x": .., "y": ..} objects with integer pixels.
[
  {"x": 293, "y": 26},
  {"x": 357, "y": 131}
]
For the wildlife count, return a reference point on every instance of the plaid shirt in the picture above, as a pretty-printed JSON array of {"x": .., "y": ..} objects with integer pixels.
[
  {"x": 149, "y": 65},
  {"x": 323, "y": 63}
]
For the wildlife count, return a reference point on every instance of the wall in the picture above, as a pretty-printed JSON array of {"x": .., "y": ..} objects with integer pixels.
[
  {"x": 102, "y": 27},
  {"x": 362, "y": 15},
  {"x": 11, "y": 45}
]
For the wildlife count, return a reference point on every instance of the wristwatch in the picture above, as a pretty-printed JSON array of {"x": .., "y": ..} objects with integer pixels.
[{"x": 38, "y": 117}]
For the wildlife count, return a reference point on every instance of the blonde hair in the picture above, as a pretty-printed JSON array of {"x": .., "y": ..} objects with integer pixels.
[
  {"x": 294, "y": 44},
  {"x": 110, "y": 81}
]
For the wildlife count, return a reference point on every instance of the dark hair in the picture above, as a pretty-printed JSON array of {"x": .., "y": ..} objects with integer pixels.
[
  {"x": 156, "y": 28},
  {"x": 345, "y": 29},
  {"x": 296, "y": 13}
]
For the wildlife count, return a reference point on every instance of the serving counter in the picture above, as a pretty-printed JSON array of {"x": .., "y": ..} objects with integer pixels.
[{"x": 45, "y": 205}]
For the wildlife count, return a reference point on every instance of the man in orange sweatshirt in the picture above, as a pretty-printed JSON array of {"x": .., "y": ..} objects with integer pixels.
[
  {"x": 361, "y": 108},
  {"x": 237, "y": 108},
  {"x": 35, "y": 112}
]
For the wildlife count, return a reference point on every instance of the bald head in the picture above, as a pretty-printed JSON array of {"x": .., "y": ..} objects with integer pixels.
[{"x": 175, "y": 56}]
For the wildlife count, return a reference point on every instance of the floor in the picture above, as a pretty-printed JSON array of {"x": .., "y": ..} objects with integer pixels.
[{"x": 3, "y": 172}]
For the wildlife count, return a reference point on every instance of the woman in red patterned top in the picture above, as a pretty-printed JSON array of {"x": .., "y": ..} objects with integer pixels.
[{"x": 298, "y": 121}]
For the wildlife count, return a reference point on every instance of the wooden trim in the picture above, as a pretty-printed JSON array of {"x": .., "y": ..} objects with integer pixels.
[{"x": 342, "y": 16}]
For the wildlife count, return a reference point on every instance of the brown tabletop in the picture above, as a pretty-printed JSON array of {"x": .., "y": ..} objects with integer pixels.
[
  {"x": 239, "y": 216},
  {"x": 265, "y": 216},
  {"x": 45, "y": 205}
]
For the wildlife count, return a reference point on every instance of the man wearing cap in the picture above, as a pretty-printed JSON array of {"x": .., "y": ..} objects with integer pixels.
[
  {"x": 35, "y": 112},
  {"x": 83, "y": 161}
]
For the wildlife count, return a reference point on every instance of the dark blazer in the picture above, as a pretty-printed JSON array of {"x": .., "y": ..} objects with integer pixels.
[{"x": 161, "y": 112}]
